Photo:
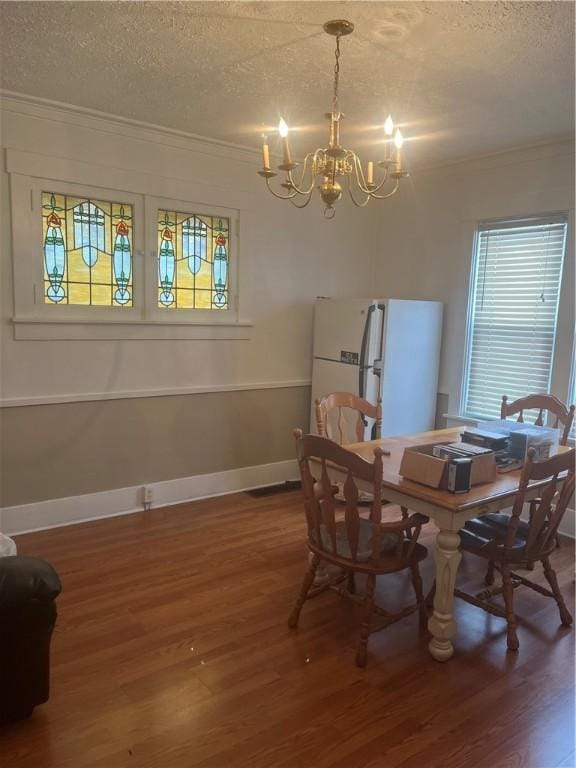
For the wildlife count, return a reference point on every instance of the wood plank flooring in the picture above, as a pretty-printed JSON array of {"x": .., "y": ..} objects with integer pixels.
[{"x": 172, "y": 651}]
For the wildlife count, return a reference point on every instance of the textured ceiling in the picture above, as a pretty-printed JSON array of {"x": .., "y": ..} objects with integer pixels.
[{"x": 463, "y": 78}]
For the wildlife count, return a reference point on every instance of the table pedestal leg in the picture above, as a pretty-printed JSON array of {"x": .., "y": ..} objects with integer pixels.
[{"x": 442, "y": 626}]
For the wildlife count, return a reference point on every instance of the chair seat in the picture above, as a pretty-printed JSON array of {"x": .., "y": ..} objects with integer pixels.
[
  {"x": 388, "y": 541},
  {"x": 389, "y": 561},
  {"x": 478, "y": 533}
]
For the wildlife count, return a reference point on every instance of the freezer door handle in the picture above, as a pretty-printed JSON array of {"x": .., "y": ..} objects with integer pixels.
[
  {"x": 379, "y": 362},
  {"x": 365, "y": 338}
]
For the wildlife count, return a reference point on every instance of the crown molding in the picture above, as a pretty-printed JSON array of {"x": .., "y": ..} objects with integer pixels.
[
  {"x": 61, "y": 112},
  {"x": 539, "y": 148}
]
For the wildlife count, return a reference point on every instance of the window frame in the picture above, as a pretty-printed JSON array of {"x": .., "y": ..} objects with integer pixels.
[
  {"x": 483, "y": 225},
  {"x": 206, "y": 316},
  {"x": 571, "y": 394},
  {"x": 33, "y": 319},
  {"x": 28, "y": 255}
]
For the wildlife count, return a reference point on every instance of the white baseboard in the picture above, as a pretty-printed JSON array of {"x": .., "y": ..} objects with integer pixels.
[
  {"x": 567, "y": 526},
  {"x": 71, "y": 510},
  {"x": 54, "y": 513}
]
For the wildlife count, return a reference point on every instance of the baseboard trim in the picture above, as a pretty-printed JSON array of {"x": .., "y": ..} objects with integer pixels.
[
  {"x": 567, "y": 527},
  {"x": 71, "y": 510}
]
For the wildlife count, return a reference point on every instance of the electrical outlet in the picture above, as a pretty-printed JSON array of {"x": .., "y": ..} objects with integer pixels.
[{"x": 147, "y": 494}]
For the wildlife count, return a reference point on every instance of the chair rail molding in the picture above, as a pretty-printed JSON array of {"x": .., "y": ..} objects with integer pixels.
[{"x": 13, "y": 402}]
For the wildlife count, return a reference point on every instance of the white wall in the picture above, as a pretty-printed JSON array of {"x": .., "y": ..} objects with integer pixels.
[
  {"x": 415, "y": 245},
  {"x": 426, "y": 234},
  {"x": 290, "y": 257}
]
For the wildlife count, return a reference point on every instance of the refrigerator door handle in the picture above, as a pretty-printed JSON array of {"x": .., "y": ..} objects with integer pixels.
[
  {"x": 363, "y": 348},
  {"x": 379, "y": 362}
]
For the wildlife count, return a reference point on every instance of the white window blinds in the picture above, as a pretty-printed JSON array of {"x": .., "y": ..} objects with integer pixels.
[{"x": 515, "y": 287}]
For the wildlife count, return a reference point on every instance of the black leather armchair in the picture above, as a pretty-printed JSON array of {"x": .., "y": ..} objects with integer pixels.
[{"x": 28, "y": 590}]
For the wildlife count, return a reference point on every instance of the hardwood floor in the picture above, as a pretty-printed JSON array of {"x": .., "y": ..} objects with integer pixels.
[{"x": 172, "y": 651}]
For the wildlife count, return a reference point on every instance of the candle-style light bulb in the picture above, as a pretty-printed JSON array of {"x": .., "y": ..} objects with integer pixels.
[
  {"x": 370, "y": 179},
  {"x": 265, "y": 153},
  {"x": 283, "y": 131},
  {"x": 388, "y": 131},
  {"x": 398, "y": 141}
]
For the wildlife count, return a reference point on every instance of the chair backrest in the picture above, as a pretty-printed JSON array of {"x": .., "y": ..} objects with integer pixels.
[
  {"x": 548, "y": 509},
  {"x": 341, "y": 540},
  {"x": 563, "y": 415},
  {"x": 343, "y": 403}
]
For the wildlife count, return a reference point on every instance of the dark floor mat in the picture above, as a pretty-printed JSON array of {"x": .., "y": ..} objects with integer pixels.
[{"x": 271, "y": 490}]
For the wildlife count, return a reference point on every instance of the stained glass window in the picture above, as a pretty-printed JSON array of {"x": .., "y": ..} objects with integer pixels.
[
  {"x": 87, "y": 251},
  {"x": 193, "y": 260}
]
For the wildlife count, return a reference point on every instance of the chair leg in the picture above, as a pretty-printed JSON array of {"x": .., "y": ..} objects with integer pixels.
[
  {"x": 306, "y": 584},
  {"x": 422, "y": 612},
  {"x": 508, "y": 592},
  {"x": 365, "y": 628},
  {"x": 351, "y": 583},
  {"x": 321, "y": 576},
  {"x": 489, "y": 578},
  {"x": 557, "y": 539},
  {"x": 550, "y": 574}
]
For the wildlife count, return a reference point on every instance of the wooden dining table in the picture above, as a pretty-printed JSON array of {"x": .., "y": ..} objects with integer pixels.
[{"x": 449, "y": 511}]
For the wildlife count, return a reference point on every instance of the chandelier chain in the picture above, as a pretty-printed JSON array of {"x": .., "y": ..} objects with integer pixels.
[{"x": 335, "y": 104}]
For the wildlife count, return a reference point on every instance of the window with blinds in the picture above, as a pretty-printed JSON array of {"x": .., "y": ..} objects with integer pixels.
[{"x": 513, "y": 307}]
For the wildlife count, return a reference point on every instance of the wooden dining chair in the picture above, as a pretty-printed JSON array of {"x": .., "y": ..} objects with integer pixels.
[
  {"x": 345, "y": 403},
  {"x": 352, "y": 543},
  {"x": 506, "y": 541},
  {"x": 563, "y": 416}
]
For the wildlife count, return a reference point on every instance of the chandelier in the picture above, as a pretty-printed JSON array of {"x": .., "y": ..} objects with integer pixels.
[{"x": 330, "y": 169}]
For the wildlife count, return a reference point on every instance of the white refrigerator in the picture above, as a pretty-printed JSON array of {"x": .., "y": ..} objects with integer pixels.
[{"x": 389, "y": 347}]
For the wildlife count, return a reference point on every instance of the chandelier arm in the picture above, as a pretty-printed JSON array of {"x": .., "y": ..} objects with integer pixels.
[
  {"x": 356, "y": 203},
  {"x": 388, "y": 194},
  {"x": 305, "y": 169},
  {"x": 361, "y": 181},
  {"x": 279, "y": 196},
  {"x": 303, "y": 204}
]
